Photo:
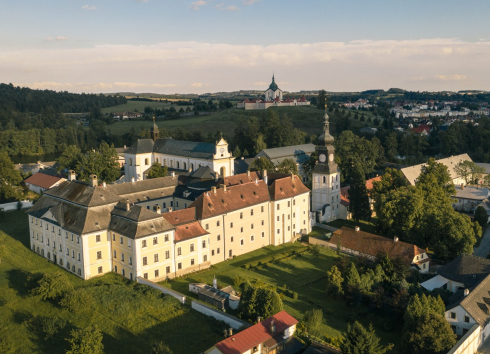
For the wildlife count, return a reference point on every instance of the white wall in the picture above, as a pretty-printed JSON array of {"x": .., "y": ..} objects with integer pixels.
[
  {"x": 469, "y": 343},
  {"x": 232, "y": 321}
]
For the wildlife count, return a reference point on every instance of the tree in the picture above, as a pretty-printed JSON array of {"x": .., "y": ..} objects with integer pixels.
[
  {"x": 9, "y": 178},
  {"x": 237, "y": 152},
  {"x": 361, "y": 340},
  {"x": 334, "y": 281},
  {"x": 160, "y": 347},
  {"x": 156, "y": 170},
  {"x": 287, "y": 166},
  {"x": 481, "y": 216},
  {"x": 392, "y": 180},
  {"x": 391, "y": 146},
  {"x": 309, "y": 164},
  {"x": 102, "y": 162},
  {"x": 257, "y": 300},
  {"x": 312, "y": 320},
  {"x": 69, "y": 158},
  {"x": 352, "y": 278},
  {"x": 359, "y": 199},
  {"x": 432, "y": 334},
  {"x": 77, "y": 301},
  {"x": 52, "y": 286},
  {"x": 322, "y": 99},
  {"x": 86, "y": 341},
  {"x": 463, "y": 169},
  {"x": 259, "y": 144},
  {"x": 262, "y": 163}
]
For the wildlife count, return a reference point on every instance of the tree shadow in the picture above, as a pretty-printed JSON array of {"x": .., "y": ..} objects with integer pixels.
[{"x": 21, "y": 281}]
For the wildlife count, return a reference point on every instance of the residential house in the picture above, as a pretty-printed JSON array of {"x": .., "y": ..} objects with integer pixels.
[
  {"x": 363, "y": 244},
  {"x": 468, "y": 198},
  {"x": 40, "y": 182},
  {"x": 422, "y": 129},
  {"x": 273, "y": 336}
]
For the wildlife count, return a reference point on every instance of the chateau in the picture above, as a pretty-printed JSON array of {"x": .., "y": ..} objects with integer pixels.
[
  {"x": 176, "y": 154},
  {"x": 166, "y": 227},
  {"x": 272, "y": 98}
]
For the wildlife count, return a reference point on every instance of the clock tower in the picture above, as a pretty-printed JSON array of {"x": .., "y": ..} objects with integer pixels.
[{"x": 325, "y": 192}]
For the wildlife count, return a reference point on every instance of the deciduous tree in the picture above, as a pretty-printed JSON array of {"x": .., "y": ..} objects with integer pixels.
[
  {"x": 361, "y": 340},
  {"x": 86, "y": 341},
  {"x": 156, "y": 170}
]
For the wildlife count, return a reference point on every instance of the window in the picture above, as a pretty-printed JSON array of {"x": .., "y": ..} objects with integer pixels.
[
  {"x": 165, "y": 238},
  {"x": 192, "y": 247},
  {"x": 294, "y": 215},
  {"x": 80, "y": 271},
  {"x": 217, "y": 251},
  {"x": 192, "y": 261},
  {"x": 241, "y": 242},
  {"x": 217, "y": 223},
  {"x": 278, "y": 218},
  {"x": 212, "y": 252},
  {"x": 219, "y": 237},
  {"x": 167, "y": 270},
  {"x": 99, "y": 270},
  {"x": 254, "y": 349},
  {"x": 115, "y": 269},
  {"x": 123, "y": 272},
  {"x": 145, "y": 261},
  {"x": 72, "y": 254},
  {"x": 157, "y": 273},
  {"x": 171, "y": 203},
  {"x": 115, "y": 256},
  {"x": 262, "y": 222},
  {"x": 97, "y": 238},
  {"x": 252, "y": 226},
  {"x": 49, "y": 255},
  {"x": 452, "y": 315},
  {"x": 467, "y": 319},
  {"x": 130, "y": 162},
  {"x": 251, "y": 212},
  {"x": 146, "y": 162},
  {"x": 294, "y": 201},
  {"x": 204, "y": 244},
  {"x": 241, "y": 215},
  {"x": 155, "y": 257},
  {"x": 143, "y": 243},
  {"x": 130, "y": 260},
  {"x": 179, "y": 251},
  {"x": 231, "y": 225},
  {"x": 148, "y": 207},
  {"x": 114, "y": 237},
  {"x": 61, "y": 261},
  {"x": 145, "y": 275},
  {"x": 155, "y": 240},
  {"x": 262, "y": 209},
  {"x": 289, "y": 203},
  {"x": 289, "y": 217},
  {"x": 177, "y": 204},
  {"x": 121, "y": 241},
  {"x": 78, "y": 239},
  {"x": 67, "y": 251},
  {"x": 241, "y": 229},
  {"x": 263, "y": 234},
  {"x": 71, "y": 235},
  {"x": 99, "y": 254},
  {"x": 205, "y": 258},
  {"x": 167, "y": 254},
  {"x": 207, "y": 227},
  {"x": 42, "y": 251},
  {"x": 179, "y": 265},
  {"x": 278, "y": 231},
  {"x": 122, "y": 257},
  {"x": 42, "y": 238},
  {"x": 231, "y": 240},
  {"x": 252, "y": 238},
  {"x": 129, "y": 243}
]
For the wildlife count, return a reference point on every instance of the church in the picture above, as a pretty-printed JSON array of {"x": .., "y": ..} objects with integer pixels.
[
  {"x": 325, "y": 199},
  {"x": 273, "y": 97},
  {"x": 177, "y": 155}
]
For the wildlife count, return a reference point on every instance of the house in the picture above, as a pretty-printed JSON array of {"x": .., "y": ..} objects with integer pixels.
[
  {"x": 412, "y": 173},
  {"x": 223, "y": 299},
  {"x": 468, "y": 198},
  {"x": 126, "y": 115},
  {"x": 468, "y": 310},
  {"x": 40, "y": 182},
  {"x": 422, "y": 129},
  {"x": 363, "y": 244},
  {"x": 273, "y": 335},
  {"x": 345, "y": 202},
  {"x": 368, "y": 130}
]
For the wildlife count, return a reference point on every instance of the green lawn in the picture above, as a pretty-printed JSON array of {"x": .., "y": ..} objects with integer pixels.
[
  {"x": 131, "y": 316},
  {"x": 364, "y": 225},
  {"x": 304, "y": 274}
]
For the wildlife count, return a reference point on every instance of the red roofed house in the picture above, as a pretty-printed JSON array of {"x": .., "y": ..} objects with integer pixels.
[
  {"x": 269, "y": 336},
  {"x": 40, "y": 182},
  {"x": 345, "y": 202},
  {"x": 359, "y": 243},
  {"x": 422, "y": 129}
]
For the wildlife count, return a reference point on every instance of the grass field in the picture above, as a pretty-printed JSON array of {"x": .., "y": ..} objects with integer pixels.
[
  {"x": 306, "y": 118},
  {"x": 138, "y": 106},
  {"x": 131, "y": 316},
  {"x": 304, "y": 274}
]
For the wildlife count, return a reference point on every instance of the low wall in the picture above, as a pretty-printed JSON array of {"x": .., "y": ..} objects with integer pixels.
[
  {"x": 326, "y": 227},
  {"x": 177, "y": 295},
  {"x": 13, "y": 206},
  {"x": 469, "y": 343},
  {"x": 317, "y": 241},
  {"x": 232, "y": 321}
]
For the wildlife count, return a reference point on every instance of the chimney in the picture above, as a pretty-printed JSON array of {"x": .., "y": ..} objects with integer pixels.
[
  {"x": 395, "y": 239},
  {"x": 172, "y": 174},
  {"x": 215, "y": 282},
  {"x": 72, "y": 176},
  {"x": 158, "y": 210},
  {"x": 104, "y": 184},
  {"x": 259, "y": 319},
  {"x": 264, "y": 176},
  {"x": 214, "y": 189},
  {"x": 125, "y": 146},
  {"x": 93, "y": 181},
  {"x": 223, "y": 187},
  {"x": 292, "y": 177},
  {"x": 128, "y": 206},
  {"x": 132, "y": 179},
  {"x": 358, "y": 228},
  {"x": 230, "y": 332},
  {"x": 170, "y": 209},
  {"x": 256, "y": 181},
  {"x": 248, "y": 173},
  {"x": 273, "y": 327},
  {"x": 462, "y": 186},
  {"x": 466, "y": 292}
]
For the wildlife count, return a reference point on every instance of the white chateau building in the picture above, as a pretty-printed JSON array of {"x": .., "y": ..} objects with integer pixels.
[
  {"x": 325, "y": 194},
  {"x": 272, "y": 98},
  {"x": 176, "y": 154}
]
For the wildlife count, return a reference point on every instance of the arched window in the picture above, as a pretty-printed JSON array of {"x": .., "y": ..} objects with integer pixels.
[
  {"x": 324, "y": 179},
  {"x": 178, "y": 164},
  {"x": 192, "y": 167},
  {"x": 185, "y": 165}
]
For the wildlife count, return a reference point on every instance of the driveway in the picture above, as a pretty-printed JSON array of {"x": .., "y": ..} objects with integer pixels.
[{"x": 484, "y": 248}]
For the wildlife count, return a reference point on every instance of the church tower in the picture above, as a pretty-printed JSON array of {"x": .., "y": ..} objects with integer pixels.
[
  {"x": 154, "y": 130},
  {"x": 325, "y": 194}
]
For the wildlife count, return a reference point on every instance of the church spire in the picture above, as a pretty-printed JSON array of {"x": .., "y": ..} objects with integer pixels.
[
  {"x": 154, "y": 130},
  {"x": 326, "y": 139}
]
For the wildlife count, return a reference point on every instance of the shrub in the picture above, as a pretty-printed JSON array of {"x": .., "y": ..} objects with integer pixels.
[
  {"x": 77, "y": 301},
  {"x": 295, "y": 295},
  {"x": 52, "y": 286},
  {"x": 246, "y": 266},
  {"x": 161, "y": 348},
  {"x": 52, "y": 325},
  {"x": 312, "y": 320}
]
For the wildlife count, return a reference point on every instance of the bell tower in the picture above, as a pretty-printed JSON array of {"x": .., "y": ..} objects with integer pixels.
[
  {"x": 154, "y": 130},
  {"x": 325, "y": 194}
]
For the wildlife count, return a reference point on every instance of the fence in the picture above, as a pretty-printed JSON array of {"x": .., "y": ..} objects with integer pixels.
[
  {"x": 177, "y": 295},
  {"x": 230, "y": 320},
  {"x": 25, "y": 204}
]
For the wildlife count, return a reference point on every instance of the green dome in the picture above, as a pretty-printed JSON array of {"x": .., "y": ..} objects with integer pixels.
[{"x": 273, "y": 85}]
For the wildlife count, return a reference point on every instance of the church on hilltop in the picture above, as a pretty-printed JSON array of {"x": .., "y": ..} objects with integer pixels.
[
  {"x": 273, "y": 97},
  {"x": 176, "y": 155}
]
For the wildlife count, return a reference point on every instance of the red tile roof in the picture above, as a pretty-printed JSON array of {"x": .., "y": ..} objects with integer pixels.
[
  {"x": 179, "y": 217},
  {"x": 421, "y": 128},
  {"x": 241, "y": 178},
  {"x": 188, "y": 231},
  {"x": 371, "y": 244},
  {"x": 287, "y": 187},
  {"x": 42, "y": 180},
  {"x": 257, "y": 334}
]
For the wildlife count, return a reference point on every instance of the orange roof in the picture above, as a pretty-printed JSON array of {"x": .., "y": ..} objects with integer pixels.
[
  {"x": 371, "y": 244},
  {"x": 241, "y": 178},
  {"x": 421, "y": 128},
  {"x": 287, "y": 187},
  {"x": 236, "y": 197},
  {"x": 257, "y": 334},
  {"x": 188, "y": 231},
  {"x": 344, "y": 191},
  {"x": 180, "y": 216},
  {"x": 42, "y": 180}
]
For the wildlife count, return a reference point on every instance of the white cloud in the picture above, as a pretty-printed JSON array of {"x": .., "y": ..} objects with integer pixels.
[
  {"x": 249, "y": 2},
  {"x": 61, "y": 38},
  {"x": 197, "y": 4},
  {"x": 89, "y": 7},
  {"x": 336, "y": 66},
  {"x": 140, "y": 0},
  {"x": 48, "y": 38},
  {"x": 232, "y": 8}
]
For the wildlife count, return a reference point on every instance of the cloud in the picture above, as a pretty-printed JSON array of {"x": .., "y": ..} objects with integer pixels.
[
  {"x": 222, "y": 7},
  {"x": 89, "y": 7},
  {"x": 197, "y": 4},
  {"x": 260, "y": 83},
  {"x": 61, "y": 38},
  {"x": 249, "y": 2},
  {"x": 453, "y": 77},
  {"x": 140, "y": 0},
  {"x": 94, "y": 87},
  {"x": 48, "y": 38},
  {"x": 199, "y": 84}
]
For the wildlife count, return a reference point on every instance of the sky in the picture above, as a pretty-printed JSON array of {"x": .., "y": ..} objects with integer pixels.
[{"x": 179, "y": 46}]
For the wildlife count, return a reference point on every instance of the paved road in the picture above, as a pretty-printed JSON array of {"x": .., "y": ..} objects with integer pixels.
[{"x": 484, "y": 248}]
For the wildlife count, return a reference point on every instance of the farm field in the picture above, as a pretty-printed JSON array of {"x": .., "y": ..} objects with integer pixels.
[
  {"x": 303, "y": 274},
  {"x": 131, "y": 316},
  {"x": 138, "y": 106}
]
